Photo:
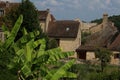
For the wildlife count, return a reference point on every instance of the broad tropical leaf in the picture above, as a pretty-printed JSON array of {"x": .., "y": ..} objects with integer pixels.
[
  {"x": 13, "y": 33},
  {"x": 62, "y": 71}
]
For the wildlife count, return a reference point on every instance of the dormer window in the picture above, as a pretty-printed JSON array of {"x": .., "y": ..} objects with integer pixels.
[
  {"x": 1, "y": 12},
  {"x": 67, "y": 29}
]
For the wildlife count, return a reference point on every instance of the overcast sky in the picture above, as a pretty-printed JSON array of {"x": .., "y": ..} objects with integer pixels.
[{"x": 85, "y": 10}]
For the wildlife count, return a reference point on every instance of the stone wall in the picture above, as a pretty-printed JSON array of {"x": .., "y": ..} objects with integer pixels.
[
  {"x": 90, "y": 55},
  {"x": 97, "y": 28},
  {"x": 71, "y": 44},
  {"x": 42, "y": 25},
  {"x": 115, "y": 60}
]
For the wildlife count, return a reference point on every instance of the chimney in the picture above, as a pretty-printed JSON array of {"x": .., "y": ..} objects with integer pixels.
[
  {"x": 105, "y": 19},
  {"x": 48, "y": 10},
  {"x": 7, "y": 3}
]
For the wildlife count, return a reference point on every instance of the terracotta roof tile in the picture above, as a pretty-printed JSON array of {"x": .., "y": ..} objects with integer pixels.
[{"x": 63, "y": 29}]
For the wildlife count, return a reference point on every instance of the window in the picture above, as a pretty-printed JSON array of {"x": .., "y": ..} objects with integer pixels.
[
  {"x": 67, "y": 29},
  {"x": 1, "y": 12},
  {"x": 116, "y": 56}
]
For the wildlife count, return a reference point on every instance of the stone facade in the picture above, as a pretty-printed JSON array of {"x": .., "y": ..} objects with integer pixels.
[
  {"x": 85, "y": 27},
  {"x": 115, "y": 58},
  {"x": 101, "y": 26},
  {"x": 68, "y": 32},
  {"x": 44, "y": 18},
  {"x": 71, "y": 44},
  {"x": 44, "y": 24},
  {"x": 90, "y": 55}
]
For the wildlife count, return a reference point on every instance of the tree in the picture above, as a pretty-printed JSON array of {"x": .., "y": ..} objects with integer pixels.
[
  {"x": 104, "y": 56},
  {"x": 30, "y": 14}
]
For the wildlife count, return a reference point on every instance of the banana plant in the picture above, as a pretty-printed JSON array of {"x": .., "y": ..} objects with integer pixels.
[{"x": 31, "y": 61}]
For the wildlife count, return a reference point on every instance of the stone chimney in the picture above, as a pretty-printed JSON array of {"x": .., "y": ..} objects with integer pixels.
[
  {"x": 105, "y": 19},
  {"x": 48, "y": 10},
  {"x": 7, "y": 3}
]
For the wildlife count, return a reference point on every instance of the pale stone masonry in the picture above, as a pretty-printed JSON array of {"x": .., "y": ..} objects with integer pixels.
[
  {"x": 45, "y": 17},
  {"x": 103, "y": 36},
  {"x": 101, "y": 26},
  {"x": 68, "y": 32}
]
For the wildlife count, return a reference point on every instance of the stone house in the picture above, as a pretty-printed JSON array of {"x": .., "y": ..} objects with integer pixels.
[
  {"x": 103, "y": 38},
  {"x": 101, "y": 26},
  {"x": 85, "y": 27},
  {"x": 67, "y": 33},
  {"x": 6, "y": 7},
  {"x": 88, "y": 52},
  {"x": 115, "y": 48},
  {"x": 45, "y": 17}
]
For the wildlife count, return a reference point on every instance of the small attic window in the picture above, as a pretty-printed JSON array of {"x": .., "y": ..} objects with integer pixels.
[{"x": 67, "y": 29}]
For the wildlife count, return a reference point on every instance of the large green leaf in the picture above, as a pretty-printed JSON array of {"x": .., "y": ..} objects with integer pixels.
[
  {"x": 29, "y": 51},
  {"x": 26, "y": 70},
  {"x": 56, "y": 54},
  {"x": 42, "y": 47},
  {"x": 13, "y": 33},
  {"x": 61, "y": 72},
  {"x": 69, "y": 75}
]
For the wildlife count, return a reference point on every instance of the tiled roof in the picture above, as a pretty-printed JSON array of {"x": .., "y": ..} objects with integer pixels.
[
  {"x": 52, "y": 17},
  {"x": 99, "y": 39},
  {"x": 63, "y": 29},
  {"x": 2, "y": 4},
  {"x": 86, "y": 48},
  {"x": 102, "y": 37},
  {"x": 115, "y": 44}
]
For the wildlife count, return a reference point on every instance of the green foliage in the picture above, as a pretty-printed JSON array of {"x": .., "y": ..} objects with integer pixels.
[
  {"x": 98, "y": 21},
  {"x": 28, "y": 58},
  {"x": 104, "y": 56},
  {"x": 6, "y": 52},
  {"x": 51, "y": 43},
  {"x": 92, "y": 72},
  {"x": 30, "y": 14},
  {"x": 105, "y": 76},
  {"x": 116, "y": 20}
]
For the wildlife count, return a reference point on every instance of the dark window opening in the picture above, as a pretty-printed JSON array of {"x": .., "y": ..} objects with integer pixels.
[
  {"x": 58, "y": 42},
  {"x": 1, "y": 12},
  {"x": 116, "y": 56}
]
